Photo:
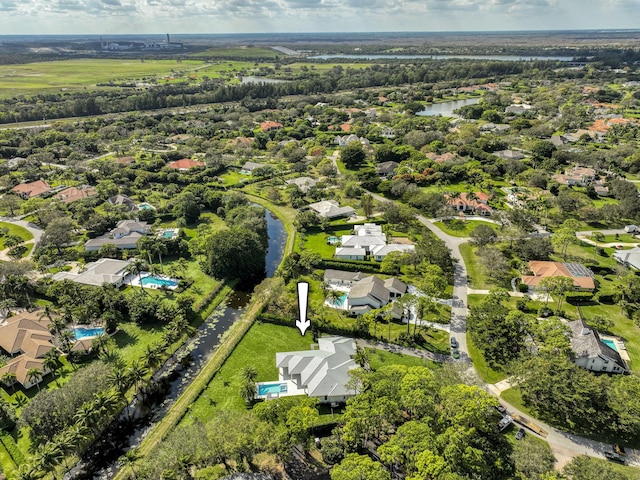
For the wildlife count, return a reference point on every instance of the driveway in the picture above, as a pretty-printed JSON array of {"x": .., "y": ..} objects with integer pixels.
[{"x": 35, "y": 230}]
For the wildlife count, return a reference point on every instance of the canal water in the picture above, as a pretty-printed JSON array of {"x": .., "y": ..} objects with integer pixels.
[
  {"x": 446, "y": 108},
  {"x": 177, "y": 373}
]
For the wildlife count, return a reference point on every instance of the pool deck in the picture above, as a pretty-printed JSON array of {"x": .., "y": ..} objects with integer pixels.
[
  {"x": 292, "y": 389},
  {"x": 619, "y": 346},
  {"x": 134, "y": 281}
]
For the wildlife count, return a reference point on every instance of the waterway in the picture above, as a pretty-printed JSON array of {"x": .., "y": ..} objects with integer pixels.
[
  {"x": 446, "y": 108},
  {"x": 177, "y": 373},
  {"x": 499, "y": 58},
  {"x": 251, "y": 79}
]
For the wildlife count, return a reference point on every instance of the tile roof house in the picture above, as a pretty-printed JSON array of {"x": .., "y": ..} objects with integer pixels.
[
  {"x": 268, "y": 126},
  {"x": 124, "y": 236},
  {"x": 105, "y": 270},
  {"x": 387, "y": 169},
  {"x": 73, "y": 194},
  {"x": 468, "y": 204},
  {"x": 331, "y": 209},
  {"x": 590, "y": 352},
  {"x": 509, "y": 154},
  {"x": 582, "y": 276},
  {"x": 321, "y": 373},
  {"x": 33, "y": 189},
  {"x": 26, "y": 336},
  {"x": 580, "y": 176},
  {"x": 185, "y": 164},
  {"x": 303, "y": 183}
]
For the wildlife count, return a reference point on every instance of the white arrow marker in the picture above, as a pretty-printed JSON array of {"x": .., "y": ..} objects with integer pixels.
[{"x": 303, "y": 301}]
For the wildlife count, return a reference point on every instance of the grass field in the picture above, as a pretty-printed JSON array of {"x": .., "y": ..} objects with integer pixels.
[
  {"x": 238, "y": 52},
  {"x": 380, "y": 358},
  {"x": 16, "y": 230},
  {"x": 477, "y": 277},
  {"x": 460, "y": 228}
]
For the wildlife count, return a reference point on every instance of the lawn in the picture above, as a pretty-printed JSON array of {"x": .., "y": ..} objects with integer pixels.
[
  {"x": 623, "y": 238},
  {"x": 238, "y": 52},
  {"x": 132, "y": 339},
  {"x": 475, "y": 273},
  {"x": 231, "y": 177},
  {"x": 316, "y": 241},
  {"x": 258, "y": 348},
  {"x": 459, "y": 227},
  {"x": 487, "y": 374},
  {"x": 16, "y": 230},
  {"x": 67, "y": 75},
  {"x": 381, "y": 358}
]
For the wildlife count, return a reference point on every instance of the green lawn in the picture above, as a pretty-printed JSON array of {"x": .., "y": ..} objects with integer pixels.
[
  {"x": 477, "y": 278},
  {"x": 380, "y": 358},
  {"x": 624, "y": 238},
  {"x": 232, "y": 177},
  {"x": 317, "y": 241},
  {"x": 487, "y": 374},
  {"x": 460, "y": 228},
  {"x": 238, "y": 52},
  {"x": 16, "y": 230},
  {"x": 258, "y": 349}
]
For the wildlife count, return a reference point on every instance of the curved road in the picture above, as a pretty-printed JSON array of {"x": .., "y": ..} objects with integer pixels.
[
  {"x": 34, "y": 230},
  {"x": 563, "y": 445}
]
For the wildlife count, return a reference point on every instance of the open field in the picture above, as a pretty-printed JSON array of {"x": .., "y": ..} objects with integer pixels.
[
  {"x": 67, "y": 75},
  {"x": 238, "y": 52}
]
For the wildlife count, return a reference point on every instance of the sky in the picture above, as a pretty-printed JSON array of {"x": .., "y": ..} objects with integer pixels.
[{"x": 262, "y": 16}]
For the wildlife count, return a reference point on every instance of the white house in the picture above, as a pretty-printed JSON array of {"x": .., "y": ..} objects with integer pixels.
[
  {"x": 629, "y": 258},
  {"x": 105, "y": 270},
  {"x": 363, "y": 241},
  {"x": 372, "y": 293},
  {"x": 341, "y": 278},
  {"x": 593, "y": 354},
  {"x": 124, "y": 236},
  {"x": 322, "y": 373},
  {"x": 345, "y": 140},
  {"x": 303, "y": 183},
  {"x": 331, "y": 209},
  {"x": 368, "y": 229},
  {"x": 379, "y": 252},
  {"x": 350, "y": 253}
]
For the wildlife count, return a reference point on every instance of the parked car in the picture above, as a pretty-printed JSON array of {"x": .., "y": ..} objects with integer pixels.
[
  {"x": 520, "y": 434},
  {"x": 455, "y": 353},
  {"x": 454, "y": 342},
  {"x": 501, "y": 408},
  {"x": 614, "y": 457},
  {"x": 619, "y": 449}
]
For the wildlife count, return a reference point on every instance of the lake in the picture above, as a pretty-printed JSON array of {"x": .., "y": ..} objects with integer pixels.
[
  {"x": 446, "y": 108},
  {"x": 251, "y": 79}
]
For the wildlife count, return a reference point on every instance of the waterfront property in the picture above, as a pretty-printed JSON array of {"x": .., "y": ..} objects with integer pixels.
[
  {"x": 124, "y": 236},
  {"x": 322, "y": 373}
]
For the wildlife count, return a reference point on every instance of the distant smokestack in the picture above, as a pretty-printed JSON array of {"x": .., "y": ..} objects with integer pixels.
[{"x": 168, "y": 41}]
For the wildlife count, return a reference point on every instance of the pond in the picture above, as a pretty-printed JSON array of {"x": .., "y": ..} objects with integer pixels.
[
  {"x": 446, "y": 108},
  {"x": 252, "y": 79}
]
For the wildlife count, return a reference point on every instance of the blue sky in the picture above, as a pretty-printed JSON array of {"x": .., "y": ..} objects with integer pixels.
[{"x": 258, "y": 16}]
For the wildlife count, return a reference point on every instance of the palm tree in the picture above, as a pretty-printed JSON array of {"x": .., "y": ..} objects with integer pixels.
[
  {"x": 152, "y": 356},
  {"x": 50, "y": 361},
  {"x": 56, "y": 324},
  {"x": 137, "y": 372},
  {"x": 5, "y": 307},
  {"x": 28, "y": 471},
  {"x": 86, "y": 414},
  {"x": 49, "y": 456},
  {"x": 66, "y": 339},
  {"x": 249, "y": 374},
  {"x": 120, "y": 380},
  {"x": 136, "y": 268},
  {"x": 9, "y": 378},
  {"x": 361, "y": 357},
  {"x": 34, "y": 374},
  {"x": 128, "y": 460}
]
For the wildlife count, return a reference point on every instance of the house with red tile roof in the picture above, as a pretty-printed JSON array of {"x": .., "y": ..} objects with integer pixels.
[
  {"x": 582, "y": 277},
  {"x": 269, "y": 125},
  {"x": 72, "y": 194},
  {"x": 476, "y": 203},
  {"x": 185, "y": 164},
  {"x": 33, "y": 189}
]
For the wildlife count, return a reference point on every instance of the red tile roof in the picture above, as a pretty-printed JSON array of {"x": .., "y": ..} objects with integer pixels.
[
  {"x": 185, "y": 164},
  {"x": 32, "y": 189},
  {"x": 269, "y": 125}
]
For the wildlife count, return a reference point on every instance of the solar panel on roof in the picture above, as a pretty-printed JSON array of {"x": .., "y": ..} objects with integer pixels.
[{"x": 578, "y": 270}]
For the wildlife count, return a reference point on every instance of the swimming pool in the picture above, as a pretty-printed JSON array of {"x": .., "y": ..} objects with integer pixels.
[
  {"x": 168, "y": 234},
  {"x": 145, "y": 206},
  {"x": 609, "y": 343},
  {"x": 158, "y": 281},
  {"x": 339, "y": 302},
  {"x": 266, "y": 388},
  {"x": 333, "y": 240},
  {"x": 84, "y": 332}
]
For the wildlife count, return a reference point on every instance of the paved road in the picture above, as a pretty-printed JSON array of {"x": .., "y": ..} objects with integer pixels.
[
  {"x": 33, "y": 229},
  {"x": 564, "y": 445}
]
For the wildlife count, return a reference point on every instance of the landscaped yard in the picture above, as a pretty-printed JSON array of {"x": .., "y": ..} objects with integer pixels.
[
  {"x": 475, "y": 272},
  {"x": 381, "y": 358},
  {"x": 16, "y": 230},
  {"x": 460, "y": 227}
]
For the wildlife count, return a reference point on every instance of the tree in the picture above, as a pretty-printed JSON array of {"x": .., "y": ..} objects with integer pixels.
[
  {"x": 532, "y": 458},
  {"x": 34, "y": 375},
  {"x": 58, "y": 233},
  {"x": 352, "y": 155},
  {"x": 494, "y": 262},
  {"x": 587, "y": 468},
  {"x": 186, "y": 208},
  {"x": 359, "y": 467},
  {"x": 536, "y": 248},
  {"x": 564, "y": 236},
  {"x": 236, "y": 253},
  {"x": 367, "y": 204},
  {"x": 557, "y": 286},
  {"x": 482, "y": 235},
  {"x": 625, "y": 403}
]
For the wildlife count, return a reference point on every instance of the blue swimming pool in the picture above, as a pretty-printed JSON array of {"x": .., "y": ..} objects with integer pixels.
[
  {"x": 168, "y": 234},
  {"x": 84, "y": 332},
  {"x": 272, "y": 388},
  {"x": 339, "y": 302},
  {"x": 609, "y": 343},
  {"x": 145, "y": 206},
  {"x": 157, "y": 281}
]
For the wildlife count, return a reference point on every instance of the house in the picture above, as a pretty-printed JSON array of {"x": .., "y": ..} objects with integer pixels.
[
  {"x": 387, "y": 132},
  {"x": 303, "y": 183},
  {"x": 372, "y": 293},
  {"x": 581, "y": 275},
  {"x": 441, "y": 158},
  {"x": 476, "y": 203},
  {"x": 31, "y": 190},
  {"x": 579, "y": 176},
  {"x": 367, "y": 242},
  {"x": 387, "y": 169},
  {"x": 124, "y": 236},
  {"x": 321, "y": 373},
  {"x": 249, "y": 167},
  {"x": 242, "y": 142},
  {"x": 350, "y": 253},
  {"x": 559, "y": 140},
  {"x": 105, "y": 270},
  {"x": 629, "y": 258},
  {"x": 345, "y": 140},
  {"x": 509, "y": 154},
  {"x": 330, "y": 209},
  {"x": 341, "y": 278},
  {"x": 517, "y": 109},
  {"x": 591, "y": 353},
  {"x": 185, "y": 164},
  {"x": 26, "y": 337},
  {"x": 368, "y": 229},
  {"x": 379, "y": 252},
  {"x": 71, "y": 194},
  {"x": 123, "y": 200},
  {"x": 125, "y": 160},
  {"x": 269, "y": 126}
]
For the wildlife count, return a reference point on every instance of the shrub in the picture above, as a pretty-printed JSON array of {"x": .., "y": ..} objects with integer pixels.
[
  {"x": 578, "y": 297},
  {"x": 523, "y": 287},
  {"x": 545, "y": 312}
]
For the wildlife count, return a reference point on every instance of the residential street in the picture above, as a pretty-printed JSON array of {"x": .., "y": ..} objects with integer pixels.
[{"x": 564, "y": 446}]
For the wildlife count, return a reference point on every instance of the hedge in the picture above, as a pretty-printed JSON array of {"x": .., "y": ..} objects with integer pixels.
[
  {"x": 12, "y": 449},
  {"x": 330, "y": 329},
  {"x": 578, "y": 297},
  {"x": 351, "y": 266}
]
